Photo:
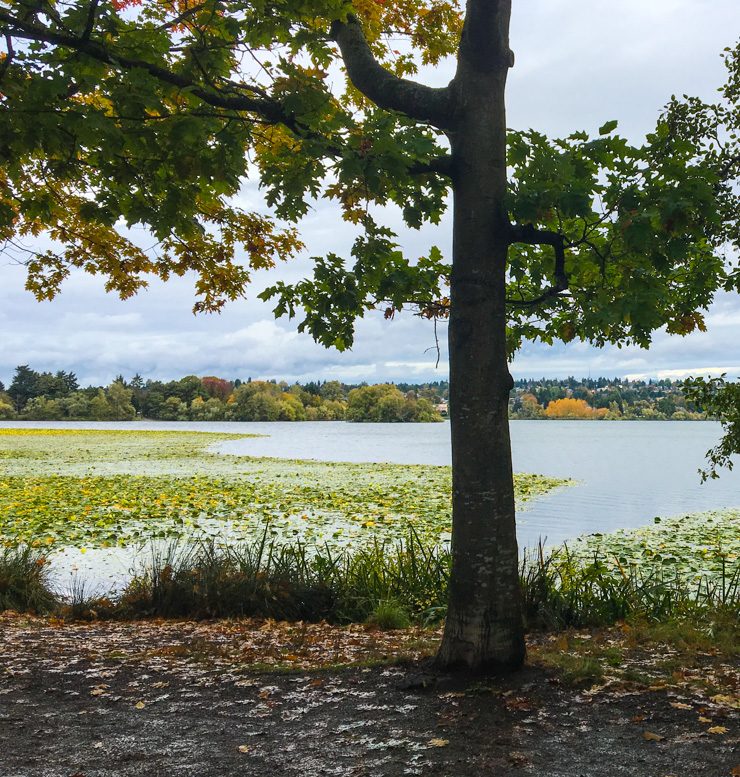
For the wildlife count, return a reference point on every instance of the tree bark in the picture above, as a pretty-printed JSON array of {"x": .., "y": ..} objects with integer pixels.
[{"x": 483, "y": 631}]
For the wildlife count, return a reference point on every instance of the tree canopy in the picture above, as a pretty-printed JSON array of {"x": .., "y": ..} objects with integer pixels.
[{"x": 151, "y": 113}]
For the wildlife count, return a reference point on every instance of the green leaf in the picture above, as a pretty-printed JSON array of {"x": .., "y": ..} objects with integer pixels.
[{"x": 608, "y": 127}]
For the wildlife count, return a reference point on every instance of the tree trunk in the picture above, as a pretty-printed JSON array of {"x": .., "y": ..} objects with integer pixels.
[{"x": 483, "y": 631}]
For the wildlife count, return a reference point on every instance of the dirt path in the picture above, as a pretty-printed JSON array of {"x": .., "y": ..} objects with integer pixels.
[{"x": 112, "y": 700}]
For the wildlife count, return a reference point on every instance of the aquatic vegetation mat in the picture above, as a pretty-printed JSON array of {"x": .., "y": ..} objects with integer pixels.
[
  {"x": 96, "y": 488},
  {"x": 698, "y": 547}
]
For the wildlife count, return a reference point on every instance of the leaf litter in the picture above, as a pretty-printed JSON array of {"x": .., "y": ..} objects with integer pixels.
[{"x": 208, "y": 697}]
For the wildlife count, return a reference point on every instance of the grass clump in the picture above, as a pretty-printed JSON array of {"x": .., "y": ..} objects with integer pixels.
[
  {"x": 24, "y": 581},
  {"x": 205, "y": 580},
  {"x": 84, "y": 604},
  {"x": 574, "y": 669},
  {"x": 389, "y": 616},
  {"x": 694, "y": 630}
]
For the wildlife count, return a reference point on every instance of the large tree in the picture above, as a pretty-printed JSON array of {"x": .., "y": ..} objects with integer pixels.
[{"x": 117, "y": 113}]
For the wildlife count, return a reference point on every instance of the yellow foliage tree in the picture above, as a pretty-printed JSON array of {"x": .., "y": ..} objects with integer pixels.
[{"x": 573, "y": 408}]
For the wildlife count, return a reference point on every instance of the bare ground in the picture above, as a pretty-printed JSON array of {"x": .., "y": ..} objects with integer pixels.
[{"x": 125, "y": 700}]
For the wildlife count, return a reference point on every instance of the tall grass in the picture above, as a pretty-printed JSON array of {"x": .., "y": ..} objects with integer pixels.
[
  {"x": 385, "y": 583},
  {"x": 24, "y": 581},
  {"x": 288, "y": 582},
  {"x": 561, "y": 590}
]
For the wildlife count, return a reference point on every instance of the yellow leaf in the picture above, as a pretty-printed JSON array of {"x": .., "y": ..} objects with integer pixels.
[
  {"x": 439, "y": 742},
  {"x": 729, "y": 701},
  {"x": 651, "y": 737},
  {"x": 679, "y": 705},
  {"x": 139, "y": 705},
  {"x": 702, "y": 719},
  {"x": 717, "y": 730},
  {"x": 243, "y": 748}
]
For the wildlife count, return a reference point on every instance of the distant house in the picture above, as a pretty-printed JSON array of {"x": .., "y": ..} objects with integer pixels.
[{"x": 441, "y": 408}]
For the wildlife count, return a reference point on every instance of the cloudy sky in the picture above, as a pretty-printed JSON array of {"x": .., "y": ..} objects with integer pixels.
[{"x": 578, "y": 64}]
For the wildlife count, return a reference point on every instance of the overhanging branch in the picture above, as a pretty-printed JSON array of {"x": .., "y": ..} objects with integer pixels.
[
  {"x": 239, "y": 97},
  {"x": 388, "y": 91},
  {"x": 90, "y": 23},
  {"x": 529, "y": 235},
  {"x": 19, "y": 28},
  {"x": 441, "y": 165}
]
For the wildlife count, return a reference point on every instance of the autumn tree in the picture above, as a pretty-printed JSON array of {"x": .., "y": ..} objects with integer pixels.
[
  {"x": 217, "y": 388},
  {"x": 385, "y": 403},
  {"x": 528, "y": 407},
  {"x": 117, "y": 113},
  {"x": 568, "y": 407}
]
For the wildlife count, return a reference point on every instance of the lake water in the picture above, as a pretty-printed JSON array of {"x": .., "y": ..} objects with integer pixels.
[{"x": 627, "y": 472}]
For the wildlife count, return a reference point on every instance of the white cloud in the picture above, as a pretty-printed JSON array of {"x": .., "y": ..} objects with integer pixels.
[{"x": 696, "y": 372}]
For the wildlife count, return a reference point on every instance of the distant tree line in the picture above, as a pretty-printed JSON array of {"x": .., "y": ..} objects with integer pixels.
[
  {"x": 46, "y": 396},
  {"x": 603, "y": 399}
]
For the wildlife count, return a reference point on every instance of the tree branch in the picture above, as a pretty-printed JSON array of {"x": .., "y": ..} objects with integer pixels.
[
  {"x": 529, "y": 235},
  {"x": 90, "y": 24},
  {"x": 182, "y": 17},
  {"x": 550, "y": 292},
  {"x": 27, "y": 31},
  {"x": 388, "y": 91},
  {"x": 441, "y": 165},
  {"x": 236, "y": 99},
  {"x": 9, "y": 55}
]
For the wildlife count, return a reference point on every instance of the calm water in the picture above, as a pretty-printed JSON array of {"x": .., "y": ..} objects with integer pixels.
[{"x": 627, "y": 472}]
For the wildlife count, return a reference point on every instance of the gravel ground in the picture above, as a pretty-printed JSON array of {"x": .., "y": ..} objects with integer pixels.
[{"x": 71, "y": 708}]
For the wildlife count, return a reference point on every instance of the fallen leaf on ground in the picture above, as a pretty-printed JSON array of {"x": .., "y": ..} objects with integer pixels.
[
  {"x": 702, "y": 719},
  {"x": 679, "y": 705},
  {"x": 717, "y": 730},
  {"x": 439, "y": 742},
  {"x": 652, "y": 737},
  {"x": 139, "y": 705},
  {"x": 243, "y": 748},
  {"x": 730, "y": 701}
]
